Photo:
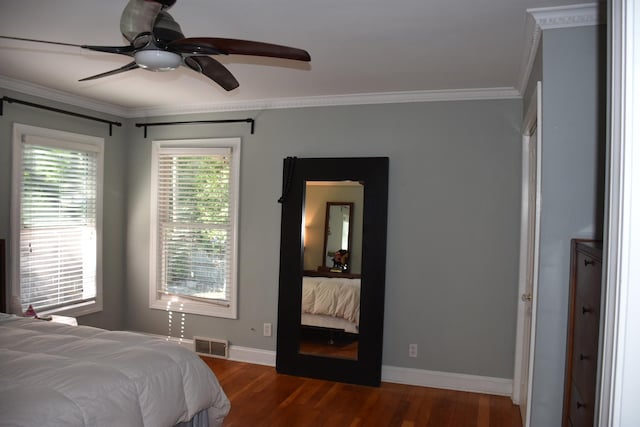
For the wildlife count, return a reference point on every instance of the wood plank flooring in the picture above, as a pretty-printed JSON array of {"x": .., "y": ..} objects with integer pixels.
[{"x": 261, "y": 397}]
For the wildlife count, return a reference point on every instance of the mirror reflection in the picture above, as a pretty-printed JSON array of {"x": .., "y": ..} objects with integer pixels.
[
  {"x": 337, "y": 236},
  {"x": 332, "y": 241}
]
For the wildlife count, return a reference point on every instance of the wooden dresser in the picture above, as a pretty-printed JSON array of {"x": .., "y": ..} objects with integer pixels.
[{"x": 582, "y": 333}]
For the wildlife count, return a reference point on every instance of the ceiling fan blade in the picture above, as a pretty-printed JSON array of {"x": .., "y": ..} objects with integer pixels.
[
  {"x": 215, "y": 46},
  {"x": 128, "y": 67},
  {"x": 122, "y": 50},
  {"x": 39, "y": 41},
  {"x": 214, "y": 70}
]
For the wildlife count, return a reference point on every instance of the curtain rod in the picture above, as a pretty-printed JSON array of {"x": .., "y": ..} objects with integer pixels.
[
  {"x": 146, "y": 125},
  {"x": 57, "y": 110}
]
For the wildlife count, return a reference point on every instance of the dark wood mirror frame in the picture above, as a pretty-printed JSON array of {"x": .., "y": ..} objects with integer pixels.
[{"x": 374, "y": 173}]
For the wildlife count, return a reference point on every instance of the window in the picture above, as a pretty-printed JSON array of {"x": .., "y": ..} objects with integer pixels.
[
  {"x": 56, "y": 221},
  {"x": 194, "y": 211}
]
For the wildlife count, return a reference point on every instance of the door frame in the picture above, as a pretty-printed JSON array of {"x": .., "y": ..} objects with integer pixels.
[
  {"x": 532, "y": 121},
  {"x": 619, "y": 375}
]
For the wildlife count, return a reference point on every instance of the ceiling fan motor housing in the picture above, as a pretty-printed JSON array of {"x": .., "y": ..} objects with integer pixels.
[{"x": 157, "y": 60}]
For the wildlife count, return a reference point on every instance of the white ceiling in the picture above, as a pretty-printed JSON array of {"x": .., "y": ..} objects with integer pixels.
[{"x": 357, "y": 47}]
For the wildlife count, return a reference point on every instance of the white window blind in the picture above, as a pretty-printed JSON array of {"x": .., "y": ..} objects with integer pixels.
[
  {"x": 58, "y": 240},
  {"x": 195, "y": 226}
]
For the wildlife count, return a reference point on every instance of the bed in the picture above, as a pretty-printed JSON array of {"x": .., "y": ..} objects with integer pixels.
[
  {"x": 331, "y": 302},
  {"x": 59, "y": 375}
]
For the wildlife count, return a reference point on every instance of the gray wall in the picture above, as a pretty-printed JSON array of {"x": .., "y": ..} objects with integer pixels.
[
  {"x": 453, "y": 225},
  {"x": 112, "y": 316},
  {"x": 453, "y": 228},
  {"x": 572, "y": 193}
]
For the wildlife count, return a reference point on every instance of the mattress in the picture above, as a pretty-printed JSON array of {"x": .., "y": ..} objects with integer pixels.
[{"x": 59, "y": 375}]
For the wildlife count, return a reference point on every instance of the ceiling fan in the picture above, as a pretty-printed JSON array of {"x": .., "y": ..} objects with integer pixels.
[{"x": 158, "y": 44}]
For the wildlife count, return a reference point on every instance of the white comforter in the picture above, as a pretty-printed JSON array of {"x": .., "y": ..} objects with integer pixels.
[
  {"x": 58, "y": 375},
  {"x": 332, "y": 297}
]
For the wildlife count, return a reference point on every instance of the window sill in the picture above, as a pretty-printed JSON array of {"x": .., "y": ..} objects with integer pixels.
[
  {"x": 76, "y": 310},
  {"x": 179, "y": 305},
  {"x": 65, "y": 320}
]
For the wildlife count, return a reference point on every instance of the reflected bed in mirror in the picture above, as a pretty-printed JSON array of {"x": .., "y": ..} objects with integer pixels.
[
  {"x": 330, "y": 318},
  {"x": 331, "y": 293}
]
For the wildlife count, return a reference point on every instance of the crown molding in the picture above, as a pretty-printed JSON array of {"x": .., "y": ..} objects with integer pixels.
[
  {"x": 261, "y": 104},
  {"x": 62, "y": 97},
  {"x": 579, "y": 15},
  {"x": 540, "y": 19},
  {"x": 533, "y": 37},
  {"x": 332, "y": 101}
]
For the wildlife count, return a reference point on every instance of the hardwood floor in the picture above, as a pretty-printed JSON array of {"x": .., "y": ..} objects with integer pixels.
[{"x": 261, "y": 397}]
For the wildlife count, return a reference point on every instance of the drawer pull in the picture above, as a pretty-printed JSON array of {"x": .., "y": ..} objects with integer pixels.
[
  {"x": 588, "y": 262},
  {"x": 580, "y": 405},
  {"x": 583, "y": 357},
  {"x": 586, "y": 310}
]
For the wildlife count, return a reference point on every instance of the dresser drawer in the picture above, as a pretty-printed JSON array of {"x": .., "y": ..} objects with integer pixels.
[
  {"x": 588, "y": 279},
  {"x": 585, "y": 350},
  {"x": 580, "y": 411}
]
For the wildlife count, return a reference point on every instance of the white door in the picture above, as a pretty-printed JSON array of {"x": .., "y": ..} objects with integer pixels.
[
  {"x": 526, "y": 298},
  {"x": 529, "y": 236}
]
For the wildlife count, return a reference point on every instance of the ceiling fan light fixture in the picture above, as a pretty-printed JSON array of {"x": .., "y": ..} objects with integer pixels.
[{"x": 157, "y": 60}]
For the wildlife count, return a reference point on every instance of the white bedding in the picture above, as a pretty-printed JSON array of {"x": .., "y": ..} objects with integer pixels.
[
  {"x": 328, "y": 322},
  {"x": 58, "y": 375},
  {"x": 335, "y": 297}
]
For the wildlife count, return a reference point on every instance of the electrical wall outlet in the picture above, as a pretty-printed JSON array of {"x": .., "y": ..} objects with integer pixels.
[
  {"x": 413, "y": 350},
  {"x": 266, "y": 329}
]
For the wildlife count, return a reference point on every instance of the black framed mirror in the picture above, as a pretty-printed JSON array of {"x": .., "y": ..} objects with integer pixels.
[{"x": 364, "y": 284}]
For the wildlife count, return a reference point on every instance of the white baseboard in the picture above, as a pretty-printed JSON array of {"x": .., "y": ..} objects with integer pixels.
[
  {"x": 390, "y": 374},
  {"x": 447, "y": 380},
  {"x": 236, "y": 353},
  {"x": 252, "y": 355}
]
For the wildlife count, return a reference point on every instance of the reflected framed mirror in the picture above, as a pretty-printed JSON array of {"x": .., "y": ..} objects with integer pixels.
[
  {"x": 338, "y": 227},
  {"x": 332, "y": 268}
]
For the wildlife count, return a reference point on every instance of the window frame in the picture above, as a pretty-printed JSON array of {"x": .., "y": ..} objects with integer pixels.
[
  {"x": 67, "y": 140},
  {"x": 174, "y": 302}
]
